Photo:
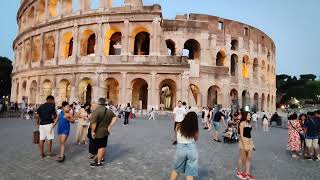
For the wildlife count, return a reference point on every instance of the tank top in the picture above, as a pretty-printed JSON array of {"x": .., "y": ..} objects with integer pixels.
[
  {"x": 247, "y": 131},
  {"x": 183, "y": 140},
  {"x": 63, "y": 124}
]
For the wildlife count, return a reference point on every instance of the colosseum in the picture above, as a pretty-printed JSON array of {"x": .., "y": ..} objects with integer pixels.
[{"x": 132, "y": 54}]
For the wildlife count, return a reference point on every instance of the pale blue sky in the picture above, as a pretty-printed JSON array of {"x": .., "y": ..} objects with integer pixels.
[{"x": 292, "y": 24}]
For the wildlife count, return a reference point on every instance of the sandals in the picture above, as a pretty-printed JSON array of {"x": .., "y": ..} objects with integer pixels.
[{"x": 61, "y": 159}]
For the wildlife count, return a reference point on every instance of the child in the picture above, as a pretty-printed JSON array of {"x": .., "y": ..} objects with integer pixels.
[
  {"x": 229, "y": 131},
  {"x": 64, "y": 120}
]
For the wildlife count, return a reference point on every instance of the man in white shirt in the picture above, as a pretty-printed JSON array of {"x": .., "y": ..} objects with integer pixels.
[{"x": 178, "y": 114}]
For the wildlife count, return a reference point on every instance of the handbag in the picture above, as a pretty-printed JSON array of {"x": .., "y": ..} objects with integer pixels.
[
  {"x": 36, "y": 137},
  {"x": 302, "y": 138}
]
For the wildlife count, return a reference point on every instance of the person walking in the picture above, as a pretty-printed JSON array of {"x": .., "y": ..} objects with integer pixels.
[
  {"x": 46, "y": 116},
  {"x": 265, "y": 123},
  {"x": 127, "y": 112},
  {"x": 246, "y": 147},
  {"x": 152, "y": 113},
  {"x": 206, "y": 118},
  {"x": 186, "y": 158},
  {"x": 218, "y": 118},
  {"x": 102, "y": 120},
  {"x": 178, "y": 114},
  {"x": 294, "y": 131},
  {"x": 64, "y": 120},
  {"x": 83, "y": 124},
  {"x": 255, "y": 119},
  {"x": 311, "y": 130}
]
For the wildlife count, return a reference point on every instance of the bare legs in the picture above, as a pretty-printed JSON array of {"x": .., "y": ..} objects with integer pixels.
[
  {"x": 244, "y": 157},
  {"x": 62, "y": 139},
  {"x": 41, "y": 147},
  {"x": 101, "y": 154},
  {"x": 174, "y": 176}
]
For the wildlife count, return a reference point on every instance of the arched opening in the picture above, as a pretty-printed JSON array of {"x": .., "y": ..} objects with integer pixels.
[
  {"x": 214, "y": 96},
  {"x": 195, "y": 96},
  {"x": 234, "y": 62},
  {"x": 85, "y": 91},
  {"x": 142, "y": 43},
  {"x": 27, "y": 54},
  {"x": 256, "y": 102},
  {"x": 88, "y": 43},
  {"x": 234, "y": 100},
  {"x": 53, "y": 8},
  {"x": 171, "y": 46},
  {"x": 194, "y": 48},
  {"x": 64, "y": 90},
  {"x": 31, "y": 17},
  {"x": 33, "y": 93},
  {"x": 234, "y": 45},
  {"x": 112, "y": 91},
  {"x": 17, "y": 91},
  {"x": 24, "y": 90},
  {"x": 245, "y": 99},
  {"x": 46, "y": 90},
  {"x": 50, "y": 47},
  {"x": 221, "y": 59},
  {"x": 255, "y": 68},
  {"x": 36, "y": 50},
  {"x": 262, "y": 102},
  {"x": 41, "y": 11},
  {"x": 115, "y": 44},
  {"x": 67, "y": 45},
  {"x": 167, "y": 93},
  {"x": 272, "y": 103},
  {"x": 268, "y": 103},
  {"x": 139, "y": 94},
  {"x": 245, "y": 67}
]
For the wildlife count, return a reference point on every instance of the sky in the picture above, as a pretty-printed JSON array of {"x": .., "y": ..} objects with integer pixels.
[{"x": 292, "y": 24}]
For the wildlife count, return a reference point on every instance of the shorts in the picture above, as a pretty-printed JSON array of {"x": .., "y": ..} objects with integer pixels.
[
  {"x": 101, "y": 142},
  {"x": 64, "y": 131},
  {"x": 186, "y": 159},
  {"x": 216, "y": 125},
  {"x": 45, "y": 132},
  {"x": 246, "y": 144},
  {"x": 312, "y": 143}
]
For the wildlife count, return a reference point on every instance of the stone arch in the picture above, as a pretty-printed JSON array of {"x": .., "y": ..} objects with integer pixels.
[
  {"x": 67, "y": 45},
  {"x": 139, "y": 93},
  {"x": 234, "y": 45},
  {"x": 194, "y": 48},
  {"x": 88, "y": 43},
  {"x": 41, "y": 9},
  {"x": 245, "y": 98},
  {"x": 24, "y": 90},
  {"x": 86, "y": 91},
  {"x": 263, "y": 102},
  {"x": 167, "y": 94},
  {"x": 33, "y": 92},
  {"x": 31, "y": 16},
  {"x": 234, "y": 99},
  {"x": 234, "y": 65},
  {"x": 221, "y": 59},
  {"x": 245, "y": 67},
  {"x": 36, "y": 50},
  {"x": 50, "y": 47},
  {"x": 53, "y": 8},
  {"x": 255, "y": 68},
  {"x": 171, "y": 46},
  {"x": 256, "y": 101},
  {"x": 115, "y": 44},
  {"x": 214, "y": 96},
  {"x": 142, "y": 43},
  {"x": 195, "y": 95},
  {"x": 112, "y": 90},
  {"x": 64, "y": 90},
  {"x": 112, "y": 37},
  {"x": 46, "y": 89}
]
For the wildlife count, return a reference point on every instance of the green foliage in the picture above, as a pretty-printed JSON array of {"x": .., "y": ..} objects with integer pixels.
[{"x": 5, "y": 76}]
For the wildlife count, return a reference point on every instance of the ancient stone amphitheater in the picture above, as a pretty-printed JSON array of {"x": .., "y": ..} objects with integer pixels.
[{"x": 132, "y": 54}]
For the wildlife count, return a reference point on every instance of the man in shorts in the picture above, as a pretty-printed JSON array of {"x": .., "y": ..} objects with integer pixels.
[
  {"x": 46, "y": 116},
  {"x": 178, "y": 115},
  {"x": 218, "y": 117},
  {"x": 311, "y": 129},
  {"x": 102, "y": 120}
]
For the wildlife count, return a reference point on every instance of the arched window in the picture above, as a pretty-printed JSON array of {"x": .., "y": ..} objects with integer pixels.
[
  {"x": 67, "y": 45},
  {"x": 41, "y": 11},
  {"x": 171, "y": 46},
  {"x": 70, "y": 47},
  {"x": 50, "y": 47},
  {"x": 88, "y": 42},
  {"x": 255, "y": 68},
  {"x": 234, "y": 45},
  {"x": 220, "y": 59},
  {"x": 193, "y": 46},
  {"x": 115, "y": 44},
  {"x": 91, "y": 44},
  {"x": 234, "y": 62},
  {"x": 142, "y": 44}
]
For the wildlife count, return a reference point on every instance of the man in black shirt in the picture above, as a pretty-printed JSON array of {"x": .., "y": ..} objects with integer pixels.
[
  {"x": 46, "y": 116},
  {"x": 216, "y": 119}
]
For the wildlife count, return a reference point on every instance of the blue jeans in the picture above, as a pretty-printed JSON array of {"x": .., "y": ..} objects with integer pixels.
[{"x": 186, "y": 159}]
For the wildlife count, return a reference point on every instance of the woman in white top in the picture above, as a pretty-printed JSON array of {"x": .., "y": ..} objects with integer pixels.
[
  {"x": 265, "y": 123},
  {"x": 186, "y": 158},
  {"x": 83, "y": 124}
]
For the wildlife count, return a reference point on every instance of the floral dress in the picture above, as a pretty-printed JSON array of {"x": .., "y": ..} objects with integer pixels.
[{"x": 294, "y": 137}]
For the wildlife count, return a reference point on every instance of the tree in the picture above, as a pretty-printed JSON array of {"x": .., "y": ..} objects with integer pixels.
[
  {"x": 5, "y": 76},
  {"x": 308, "y": 77}
]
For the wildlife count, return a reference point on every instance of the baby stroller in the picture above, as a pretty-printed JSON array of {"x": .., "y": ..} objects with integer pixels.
[{"x": 231, "y": 135}]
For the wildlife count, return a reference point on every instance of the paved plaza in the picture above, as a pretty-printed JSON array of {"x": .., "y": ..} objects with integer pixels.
[{"x": 143, "y": 150}]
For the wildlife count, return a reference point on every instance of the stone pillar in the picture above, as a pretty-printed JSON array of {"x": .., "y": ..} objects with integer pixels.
[
  {"x": 74, "y": 89},
  {"x": 126, "y": 39},
  {"x": 204, "y": 100},
  {"x": 41, "y": 49},
  {"x": 75, "y": 50},
  {"x": 13, "y": 91},
  {"x": 123, "y": 88},
  {"x": 47, "y": 10},
  {"x": 28, "y": 92},
  {"x": 185, "y": 88},
  {"x": 57, "y": 47},
  {"x": 152, "y": 103},
  {"x": 96, "y": 88},
  {"x": 100, "y": 43}
]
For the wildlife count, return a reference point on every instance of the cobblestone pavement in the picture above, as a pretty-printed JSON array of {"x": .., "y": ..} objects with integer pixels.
[{"x": 143, "y": 150}]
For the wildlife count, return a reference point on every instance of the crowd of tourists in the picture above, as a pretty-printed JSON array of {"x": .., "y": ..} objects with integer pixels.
[{"x": 304, "y": 135}]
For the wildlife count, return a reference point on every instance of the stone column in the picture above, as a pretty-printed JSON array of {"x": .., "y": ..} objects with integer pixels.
[
  {"x": 38, "y": 90},
  {"x": 13, "y": 90},
  {"x": 41, "y": 49},
  {"x": 185, "y": 87},
  {"x": 74, "y": 89},
  {"x": 57, "y": 47},
  {"x": 75, "y": 50},
  {"x": 152, "y": 102},
  {"x": 96, "y": 88},
  {"x": 47, "y": 10},
  {"x": 28, "y": 93},
  {"x": 126, "y": 39},
  {"x": 204, "y": 99},
  {"x": 100, "y": 42},
  {"x": 123, "y": 88}
]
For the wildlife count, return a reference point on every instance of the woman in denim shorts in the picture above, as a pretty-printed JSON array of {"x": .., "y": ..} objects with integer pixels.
[{"x": 186, "y": 158}]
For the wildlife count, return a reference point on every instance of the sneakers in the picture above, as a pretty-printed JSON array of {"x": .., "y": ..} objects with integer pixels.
[
  {"x": 95, "y": 164},
  {"x": 250, "y": 177},
  {"x": 241, "y": 175}
]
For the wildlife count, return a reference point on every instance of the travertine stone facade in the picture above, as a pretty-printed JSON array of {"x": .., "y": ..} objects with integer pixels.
[{"x": 131, "y": 54}]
